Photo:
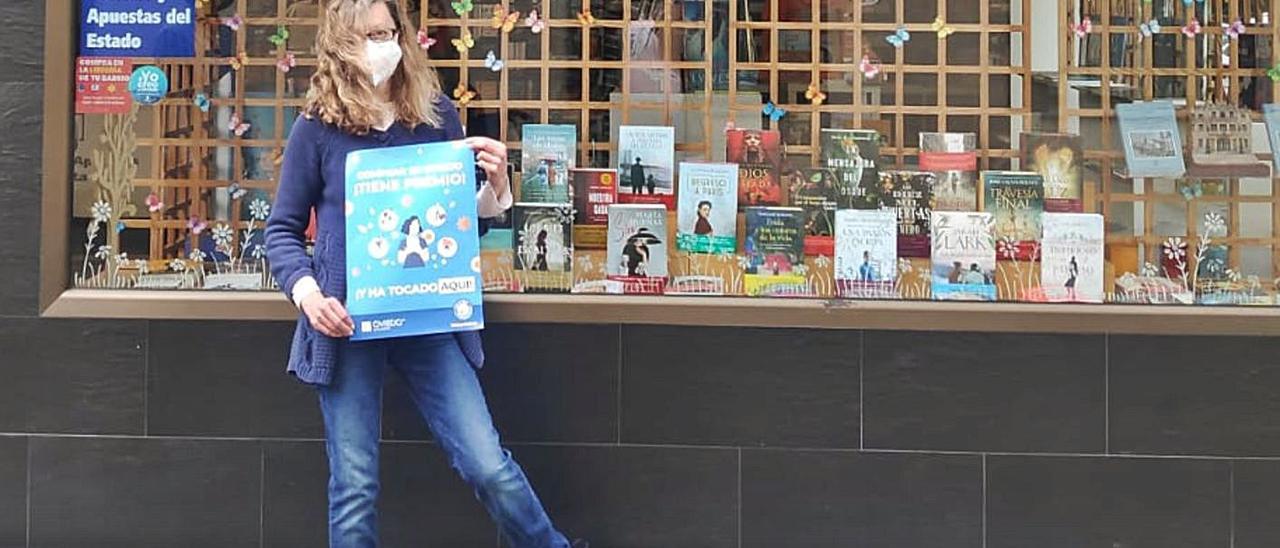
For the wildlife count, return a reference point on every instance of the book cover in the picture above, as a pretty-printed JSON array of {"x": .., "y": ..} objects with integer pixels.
[
  {"x": 1271, "y": 116},
  {"x": 953, "y": 160},
  {"x": 637, "y": 252},
  {"x": 910, "y": 194},
  {"x": 707, "y": 215},
  {"x": 1152, "y": 141},
  {"x": 758, "y": 153},
  {"x": 866, "y": 263},
  {"x": 413, "y": 250},
  {"x": 543, "y": 247},
  {"x": 853, "y": 155},
  {"x": 814, "y": 191},
  {"x": 594, "y": 190},
  {"x": 964, "y": 256},
  {"x": 1015, "y": 200},
  {"x": 646, "y": 165},
  {"x": 1072, "y": 266},
  {"x": 1057, "y": 157},
  {"x": 774, "y": 247},
  {"x": 547, "y": 153}
]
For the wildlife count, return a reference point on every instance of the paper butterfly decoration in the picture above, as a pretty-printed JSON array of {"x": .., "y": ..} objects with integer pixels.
[
  {"x": 1188, "y": 2},
  {"x": 1234, "y": 30},
  {"x": 239, "y": 61},
  {"x": 202, "y": 102},
  {"x": 815, "y": 95},
  {"x": 1274, "y": 73},
  {"x": 492, "y": 62},
  {"x": 425, "y": 41},
  {"x": 1149, "y": 28},
  {"x": 280, "y": 38},
  {"x": 899, "y": 37},
  {"x": 464, "y": 43},
  {"x": 196, "y": 225},
  {"x": 939, "y": 26},
  {"x": 235, "y": 191},
  {"x": 535, "y": 23},
  {"x": 286, "y": 63},
  {"x": 120, "y": 226},
  {"x": 154, "y": 204},
  {"x": 1192, "y": 28},
  {"x": 234, "y": 22},
  {"x": 463, "y": 95},
  {"x": 585, "y": 18},
  {"x": 462, "y": 7},
  {"x": 1191, "y": 190},
  {"x": 237, "y": 126},
  {"x": 1085, "y": 26},
  {"x": 869, "y": 66},
  {"x": 504, "y": 21},
  {"x": 774, "y": 112}
]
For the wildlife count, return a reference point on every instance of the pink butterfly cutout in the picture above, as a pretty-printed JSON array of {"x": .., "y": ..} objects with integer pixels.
[
  {"x": 1085, "y": 26},
  {"x": 286, "y": 63},
  {"x": 196, "y": 225},
  {"x": 1192, "y": 28},
  {"x": 535, "y": 23},
  {"x": 870, "y": 67},
  {"x": 234, "y": 22},
  {"x": 1234, "y": 30},
  {"x": 238, "y": 126},
  {"x": 153, "y": 203},
  {"x": 425, "y": 41}
]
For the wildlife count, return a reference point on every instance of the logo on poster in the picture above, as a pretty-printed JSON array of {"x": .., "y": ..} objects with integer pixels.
[{"x": 148, "y": 85}]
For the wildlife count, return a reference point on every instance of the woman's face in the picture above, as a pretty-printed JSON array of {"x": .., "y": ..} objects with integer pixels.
[{"x": 378, "y": 19}]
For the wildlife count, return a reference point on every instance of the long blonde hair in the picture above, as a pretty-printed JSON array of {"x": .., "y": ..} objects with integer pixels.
[{"x": 341, "y": 91}]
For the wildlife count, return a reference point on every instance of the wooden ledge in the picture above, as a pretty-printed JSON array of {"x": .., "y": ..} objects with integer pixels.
[{"x": 722, "y": 311}]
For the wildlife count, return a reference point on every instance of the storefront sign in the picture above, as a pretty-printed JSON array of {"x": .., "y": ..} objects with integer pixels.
[
  {"x": 102, "y": 85},
  {"x": 148, "y": 85},
  {"x": 137, "y": 28}
]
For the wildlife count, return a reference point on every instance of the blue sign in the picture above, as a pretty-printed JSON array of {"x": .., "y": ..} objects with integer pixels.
[
  {"x": 137, "y": 28},
  {"x": 413, "y": 249},
  {"x": 148, "y": 85}
]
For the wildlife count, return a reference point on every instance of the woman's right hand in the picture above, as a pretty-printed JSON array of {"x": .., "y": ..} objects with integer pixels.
[{"x": 327, "y": 315}]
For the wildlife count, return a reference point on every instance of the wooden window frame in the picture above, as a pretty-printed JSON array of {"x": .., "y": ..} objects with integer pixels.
[{"x": 58, "y": 300}]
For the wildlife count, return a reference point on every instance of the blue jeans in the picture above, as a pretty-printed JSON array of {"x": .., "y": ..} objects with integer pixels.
[{"x": 447, "y": 394}]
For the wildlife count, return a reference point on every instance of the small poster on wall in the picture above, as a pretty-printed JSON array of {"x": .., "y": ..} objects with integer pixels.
[
  {"x": 138, "y": 28},
  {"x": 102, "y": 85}
]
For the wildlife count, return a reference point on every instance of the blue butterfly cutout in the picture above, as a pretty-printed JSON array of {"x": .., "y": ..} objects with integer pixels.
[
  {"x": 774, "y": 112},
  {"x": 119, "y": 226},
  {"x": 236, "y": 191},
  {"x": 1188, "y": 2},
  {"x": 899, "y": 37},
  {"x": 202, "y": 102},
  {"x": 1191, "y": 191}
]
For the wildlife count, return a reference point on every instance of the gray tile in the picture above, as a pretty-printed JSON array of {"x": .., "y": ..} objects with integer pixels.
[
  {"x": 294, "y": 496},
  {"x": 20, "y": 107},
  {"x": 424, "y": 503},
  {"x": 72, "y": 376},
  {"x": 227, "y": 379},
  {"x": 1257, "y": 503},
  {"x": 142, "y": 493},
  {"x": 1069, "y": 502},
  {"x": 814, "y": 499},
  {"x": 1195, "y": 395},
  {"x": 984, "y": 392},
  {"x": 739, "y": 386},
  {"x": 13, "y": 492},
  {"x": 22, "y": 42},
  {"x": 640, "y": 497}
]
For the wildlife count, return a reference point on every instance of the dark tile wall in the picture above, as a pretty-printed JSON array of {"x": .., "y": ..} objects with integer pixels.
[{"x": 167, "y": 434}]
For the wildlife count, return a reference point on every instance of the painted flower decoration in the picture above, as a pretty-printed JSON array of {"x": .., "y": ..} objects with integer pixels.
[
  {"x": 197, "y": 255},
  {"x": 196, "y": 225},
  {"x": 143, "y": 266},
  {"x": 822, "y": 261},
  {"x": 744, "y": 262},
  {"x": 101, "y": 211},
  {"x": 800, "y": 269},
  {"x": 1008, "y": 248},
  {"x": 1214, "y": 223},
  {"x": 178, "y": 265},
  {"x": 904, "y": 266},
  {"x": 259, "y": 251},
  {"x": 1175, "y": 248},
  {"x": 259, "y": 209},
  {"x": 464, "y": 223},
  {"x": 222, "y": 235},
  {"x": 103, "y": 252},
  {"x": 1150, "y": 270}
]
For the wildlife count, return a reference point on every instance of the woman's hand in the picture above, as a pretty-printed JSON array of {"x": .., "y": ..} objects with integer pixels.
[
  {"x": 491, "y": 156},
  {"x": 327, "y": 315}
]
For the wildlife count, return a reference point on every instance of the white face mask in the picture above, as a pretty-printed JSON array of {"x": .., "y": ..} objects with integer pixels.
[{"x": 382, "y": 58}]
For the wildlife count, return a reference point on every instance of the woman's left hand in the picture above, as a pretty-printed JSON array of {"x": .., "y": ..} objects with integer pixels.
[{"x": 491, "y": 156}]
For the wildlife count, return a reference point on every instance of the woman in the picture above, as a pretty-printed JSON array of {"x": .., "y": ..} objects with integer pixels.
[
  {"x": 373, "y": 88},
  {"x": 413, "y": 250}
]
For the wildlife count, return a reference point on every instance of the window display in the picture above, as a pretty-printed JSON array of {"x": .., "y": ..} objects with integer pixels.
[{"x": 1082, "y": 151}]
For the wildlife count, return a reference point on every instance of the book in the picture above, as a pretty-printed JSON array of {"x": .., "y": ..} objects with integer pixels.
[
  {"x": 814, "y": 191},
  {"x": 543, "y": 247},
  {"x": 1152, "y": 141},
  {"x": 866, "y": 264},
  {"x": 774, "y": 248},
  {"x": 1271, "y": 116},
  {"x": 637, "y": 252},
  {"x": 1072, "y": 266},
  {"x": 910, "y": 194},
  {"x": 498, "y": 238},
  {"x": 853, "y": 155},
  {"x": 1057, "y": 157},
  {"x": 953, "y": 160},
  {"x": 964, "y": 256},
  {"x": 594, "y": 190},
  {"x": 758, "y": 153},
  {"x": 1015, "y": 200},
  {"x": 707, "y": 215},
  {"x": 646, "y": 165},
  {"x": 547, "y": 153},
  {"x": 1222, "y": 135},
  {"x": 412, "y": 248}
]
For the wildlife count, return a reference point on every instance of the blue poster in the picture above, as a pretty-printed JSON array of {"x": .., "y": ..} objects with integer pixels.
[
  {"x": 148, "y": 85},
  {"x": 413, "y": 249},
  {"x": 137, "y": 28}
]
